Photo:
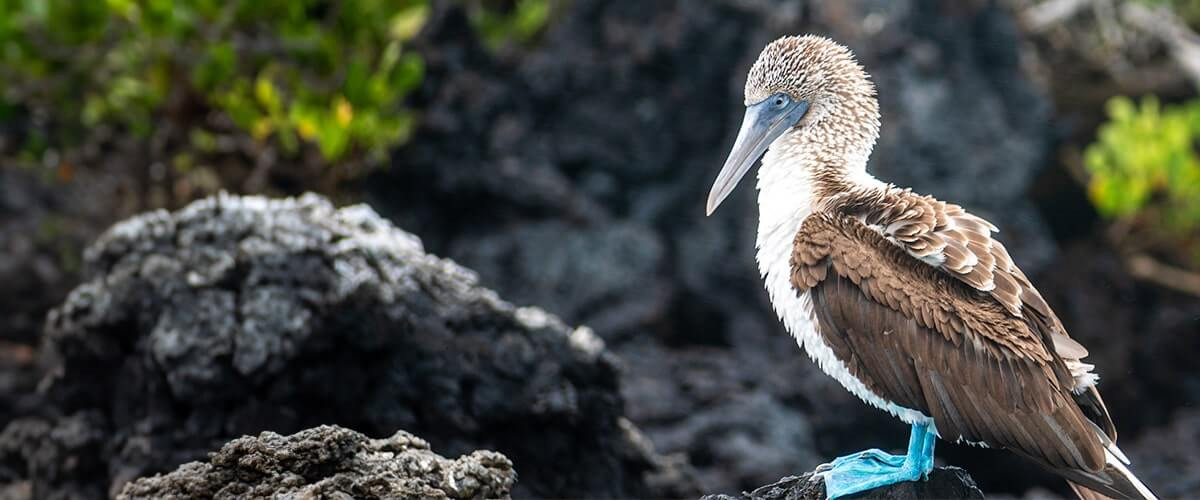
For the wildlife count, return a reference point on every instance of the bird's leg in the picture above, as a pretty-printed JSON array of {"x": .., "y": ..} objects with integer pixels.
[{"x": 873, "y": 468}]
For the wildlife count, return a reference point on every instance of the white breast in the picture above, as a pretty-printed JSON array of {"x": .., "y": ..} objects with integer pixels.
[{"x": 785, "y": 200}]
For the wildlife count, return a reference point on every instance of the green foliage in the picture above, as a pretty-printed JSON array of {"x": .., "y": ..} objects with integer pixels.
[
  {"x": 521, "y": 21},
  {"x": 1145, "y": 165},
  {"x": 331, "y": 74}
]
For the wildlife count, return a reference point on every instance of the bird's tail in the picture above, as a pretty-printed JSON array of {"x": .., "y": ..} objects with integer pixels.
[
  {"x": 1084, "y": 493},
  {"x": 1115, "y": 481}
]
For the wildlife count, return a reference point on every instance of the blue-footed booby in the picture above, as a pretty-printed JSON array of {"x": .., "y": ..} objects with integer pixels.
[{"x": 908, "y": 301}]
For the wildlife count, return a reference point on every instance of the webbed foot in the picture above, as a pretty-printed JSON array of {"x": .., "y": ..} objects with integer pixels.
[{"x": 870, "y": 469}]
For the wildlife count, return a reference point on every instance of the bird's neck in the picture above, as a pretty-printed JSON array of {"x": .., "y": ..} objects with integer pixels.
[
  {"x": 800, "y": 174},
  {"x": 803, "y": 170}
]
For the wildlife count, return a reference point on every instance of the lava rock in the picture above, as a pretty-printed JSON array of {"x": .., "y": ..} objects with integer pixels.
[
  {"x": 44, "y": 226},
  {"x": 331, "y": 462},
  {"x": 1166, "y": 458},
  {"x": 237, "y": 315},
  {"x": 607, "y": 290},
  {"x": 943, "y": 482},
  {"x": 65, "y": 453},
  {"x": 43, "y": 229}
]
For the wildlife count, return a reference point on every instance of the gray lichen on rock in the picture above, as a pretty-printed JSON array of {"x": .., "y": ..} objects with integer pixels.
[{"x": 331, "y": 462}]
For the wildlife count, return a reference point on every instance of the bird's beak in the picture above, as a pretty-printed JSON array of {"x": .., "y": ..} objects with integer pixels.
[{"x": 764, "y": 122}]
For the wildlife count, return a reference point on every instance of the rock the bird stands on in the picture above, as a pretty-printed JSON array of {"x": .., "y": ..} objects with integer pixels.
[{"x": 906, "y": 300}]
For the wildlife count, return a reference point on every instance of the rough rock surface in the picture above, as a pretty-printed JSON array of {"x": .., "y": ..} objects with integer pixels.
[
  {"x": 331, "y": 462},
  {"x": 1167, "y": 460},
  {"x": 237, "y": 315},
  {"x": 943, "y": 482},
  {"x": 573, "y": 175}
]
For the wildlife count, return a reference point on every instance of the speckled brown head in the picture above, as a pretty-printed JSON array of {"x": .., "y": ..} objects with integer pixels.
[{"x": 806, "y": 85}]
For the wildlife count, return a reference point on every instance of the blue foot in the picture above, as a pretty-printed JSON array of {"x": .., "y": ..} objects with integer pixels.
[
  {"x": 875, "y": 454},
  {"x": 873, "y": 468}
]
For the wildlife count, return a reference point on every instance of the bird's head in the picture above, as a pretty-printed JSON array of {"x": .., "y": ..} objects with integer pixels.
[{"x": 809, "y": 86}]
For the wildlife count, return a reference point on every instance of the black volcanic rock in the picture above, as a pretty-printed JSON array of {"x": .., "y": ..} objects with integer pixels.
[
  {"x": 237, "y": 315},
  {"x": 59, "y": 458},
  {"x": 1164, "y": 457},
  {"x": 43, "y": 228},
  {"x": 331, "y": 462},
  {"x": 943, "y": 482}
]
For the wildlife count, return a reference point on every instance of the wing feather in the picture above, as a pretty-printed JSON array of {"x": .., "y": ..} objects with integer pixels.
[
  {"x": 961, "y": 245},
  {"x": 926, "y": 341}
]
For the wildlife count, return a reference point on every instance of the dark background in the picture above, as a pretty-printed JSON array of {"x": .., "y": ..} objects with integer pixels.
[{"x": 570, "y": 172}]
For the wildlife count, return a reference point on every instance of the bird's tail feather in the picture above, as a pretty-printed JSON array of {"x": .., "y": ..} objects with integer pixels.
[
  {"x": 1114, "y": 481},
  {"x": 1084, "y": 493}
]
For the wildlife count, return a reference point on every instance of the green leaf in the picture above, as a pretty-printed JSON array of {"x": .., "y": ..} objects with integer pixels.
[
  {"x": 406, "y": 23},
  {"x": 216, "y": 68},
  {"x": 266, "y": 94}
]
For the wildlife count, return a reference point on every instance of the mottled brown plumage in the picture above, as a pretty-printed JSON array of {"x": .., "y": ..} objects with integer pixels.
[{"x": 919, "y": 336}]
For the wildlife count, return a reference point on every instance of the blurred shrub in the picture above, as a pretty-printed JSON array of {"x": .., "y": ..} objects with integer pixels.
[
  {"x": 519, "y": 21},
  {"x": 1145, "y": 166},
  {"x": 1188, "y": 10},
  {"x": 331, "y": 74}
]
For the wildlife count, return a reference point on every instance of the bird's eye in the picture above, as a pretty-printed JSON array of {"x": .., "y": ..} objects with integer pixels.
[{"x": 780, "y": 100}]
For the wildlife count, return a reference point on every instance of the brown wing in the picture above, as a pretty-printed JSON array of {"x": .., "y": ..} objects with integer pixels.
[
  {"x": 961, "y": 245},
  {"x": 919, "y": 337},
  {"x": 950, "y": 238}
]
